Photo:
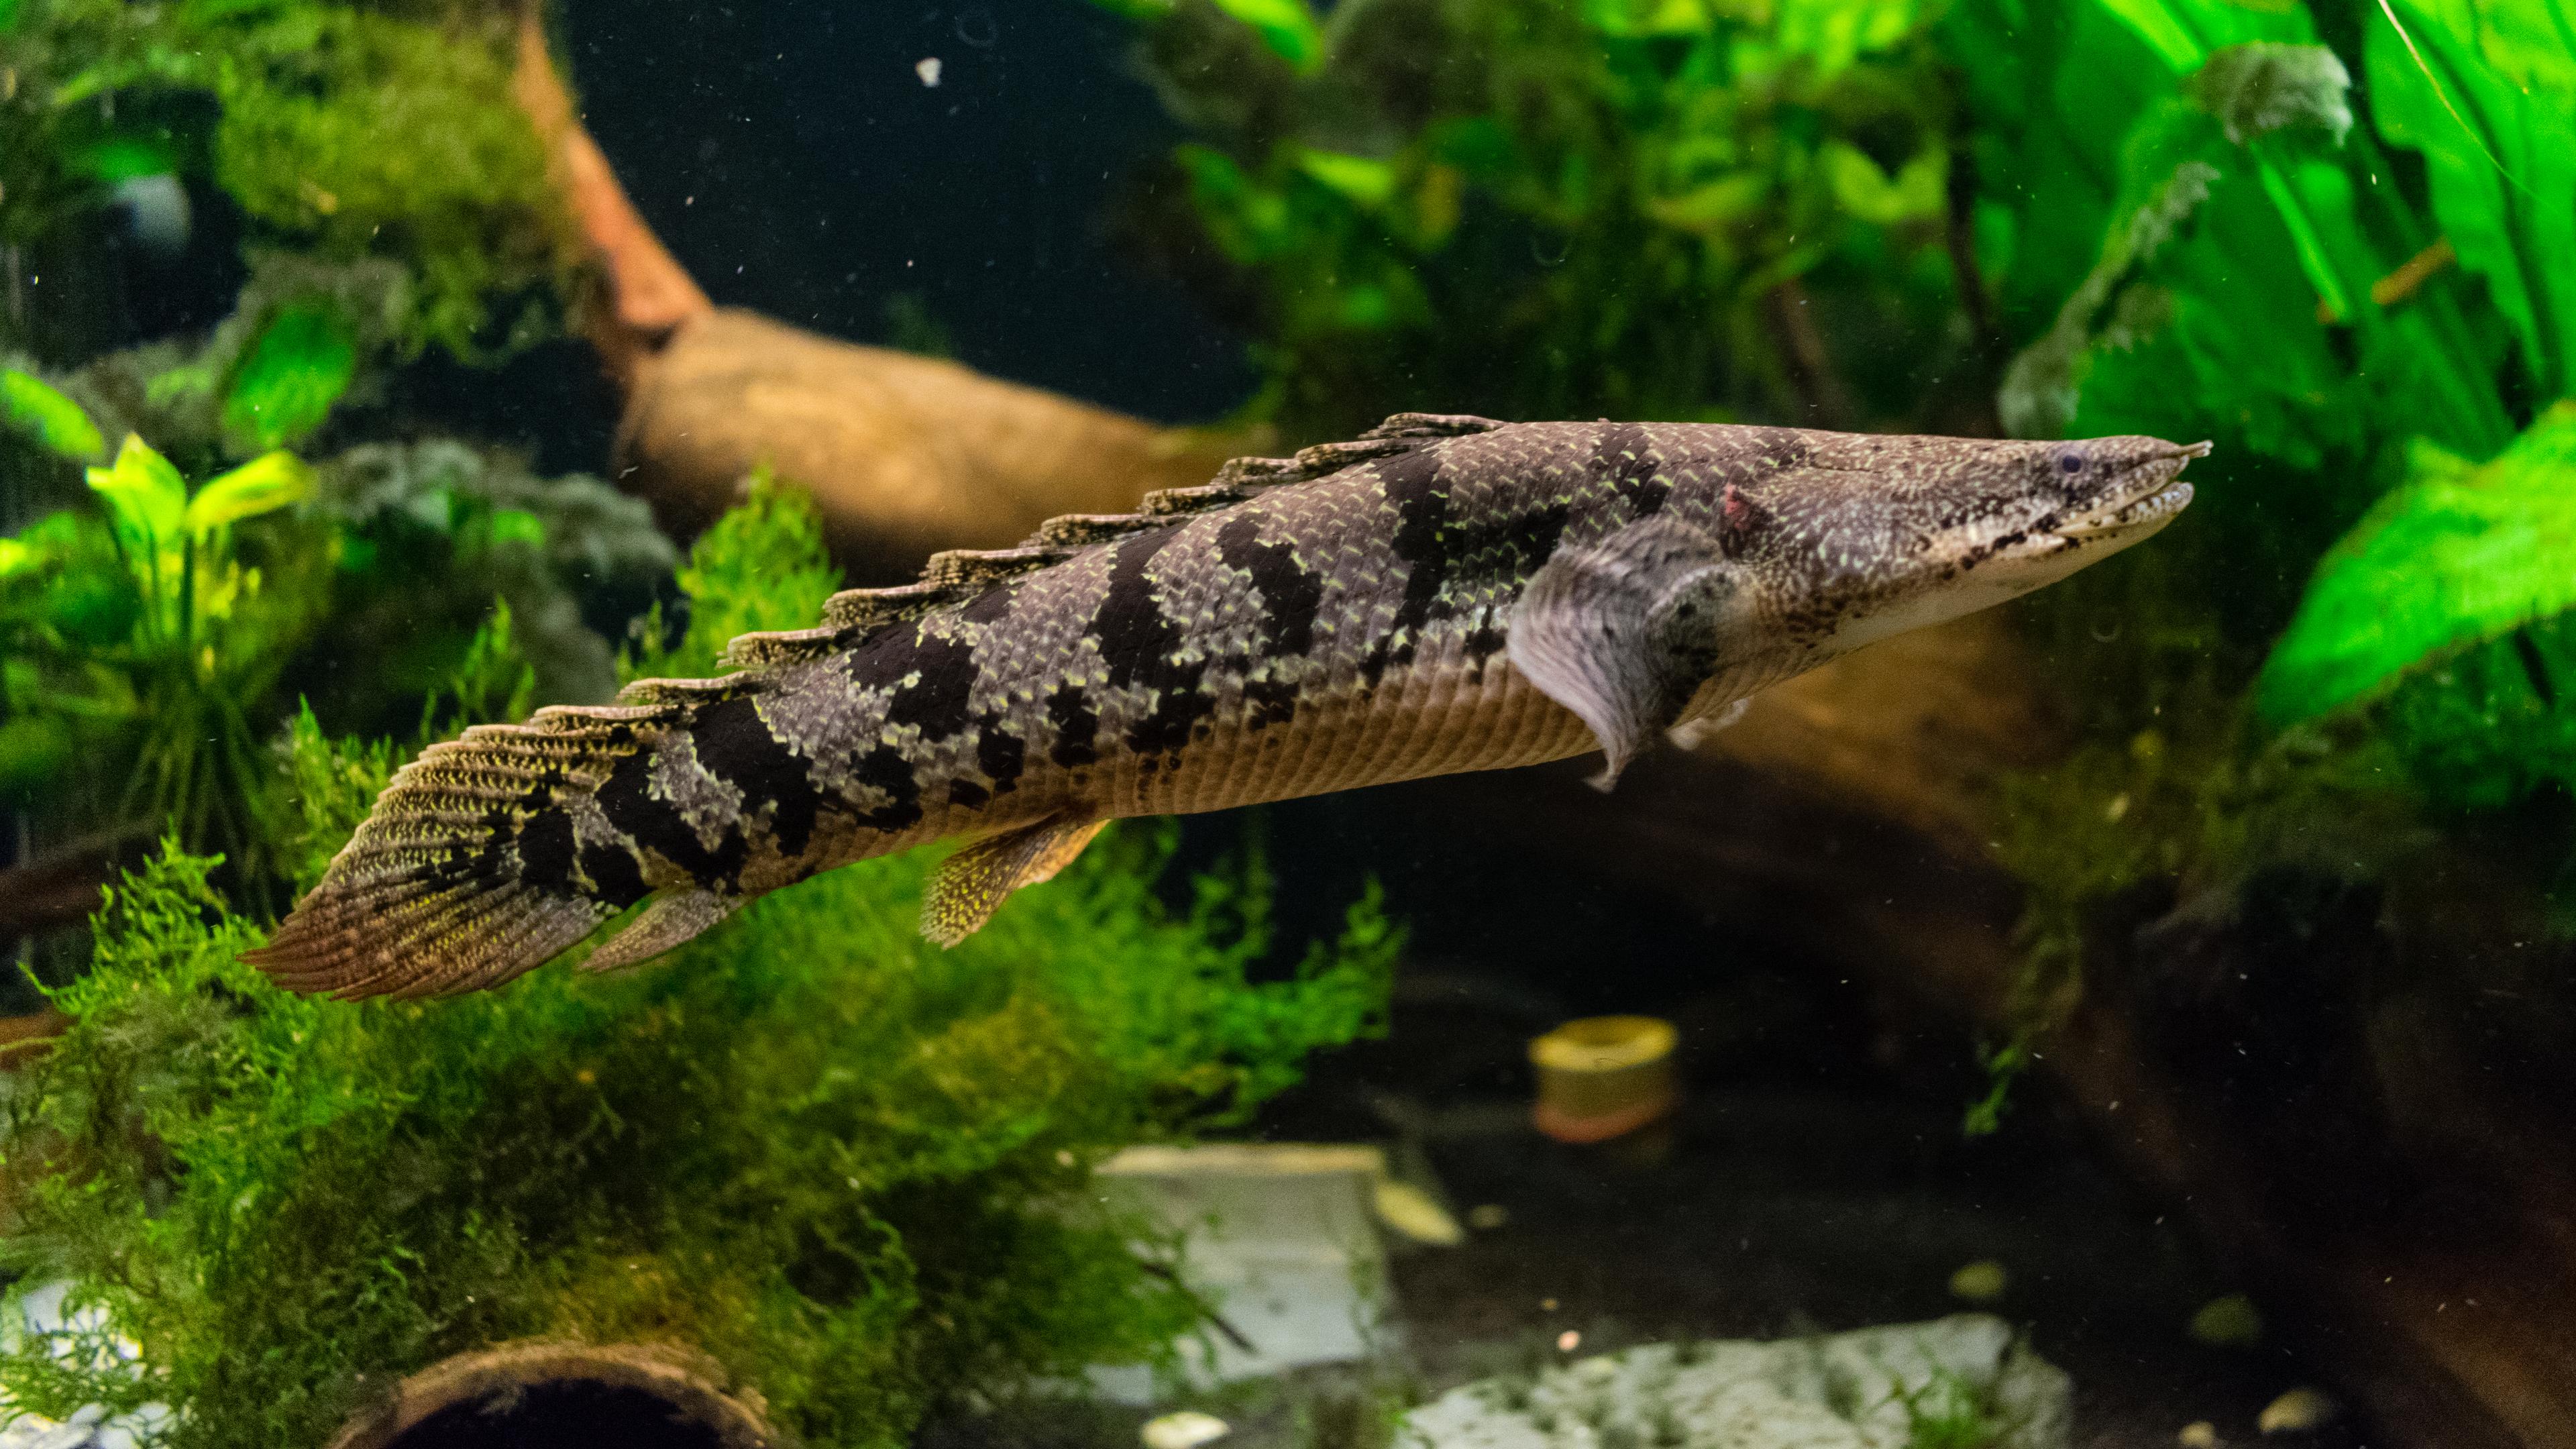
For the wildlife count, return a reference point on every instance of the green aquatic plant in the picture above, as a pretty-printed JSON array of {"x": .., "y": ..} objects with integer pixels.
[
  {"x": 1946, "y": 1411},
  {"x": 348, "y": 130},
  {"x": 846, "y": 1163},
  {"x": 429, "y": 534},
  {"x": 54, "y": 421},
  {"x": 2457, "y": 555},
  {"x": 1537, "y": 209},
  {"x": 153, "y": 642},
  {"x": 133, "y": 641},
  {"x": 759, "y": 568}
]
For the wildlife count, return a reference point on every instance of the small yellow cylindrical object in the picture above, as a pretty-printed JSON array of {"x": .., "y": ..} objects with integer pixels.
[{"x": 1604, "y": 1076}]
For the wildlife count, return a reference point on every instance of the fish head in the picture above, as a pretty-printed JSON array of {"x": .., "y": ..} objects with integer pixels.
[{"x": 1879, "y": 535}]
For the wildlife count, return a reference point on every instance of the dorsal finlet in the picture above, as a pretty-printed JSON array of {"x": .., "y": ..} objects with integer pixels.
[
  {"x": 866, "y": 609},
  {"x": 1430, "y": 425},
  {"x": 777, "y": 648},
  {"x": 651, "y": 694},
  {"x": 972, "y": 570},
  {"x": 1081, "y": 530}
]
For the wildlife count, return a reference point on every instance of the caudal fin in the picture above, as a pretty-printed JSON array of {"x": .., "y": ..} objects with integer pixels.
[{"x": 466, "y": 873}]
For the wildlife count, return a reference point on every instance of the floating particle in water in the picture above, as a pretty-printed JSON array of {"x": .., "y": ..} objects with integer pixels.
[
  {"x": 1484, "y": 1217},
  {"x": 1568, "y": 1341},
  {"x": 928, "y": 69},
  {"x": 1187, "y": 1429},
  {"x": 2229, "y": 1322},
  {"x": 2298, "y": 1410},
  {"x": 1417, "y": 1215},
  {"x": 975, "y": 27},
  {"x": 2198, "y": 1434},
  {"x": 1983, "y": 1281}
]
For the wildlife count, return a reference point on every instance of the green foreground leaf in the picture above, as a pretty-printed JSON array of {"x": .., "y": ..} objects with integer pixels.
[
  {"x": 1287, "y": 26},
  {"x": 28, "y": 402},
  {"x": 2456, "y": 555},
  {"x": 268, "y": 482},
  {"x": 290, "y": 378}
]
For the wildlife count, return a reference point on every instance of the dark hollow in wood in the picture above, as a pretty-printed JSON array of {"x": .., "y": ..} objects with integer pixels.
[{"x": 651, "y": 1396}]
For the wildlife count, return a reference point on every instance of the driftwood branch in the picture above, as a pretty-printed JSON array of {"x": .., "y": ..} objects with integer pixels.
[{"x": 904, "y": 454}]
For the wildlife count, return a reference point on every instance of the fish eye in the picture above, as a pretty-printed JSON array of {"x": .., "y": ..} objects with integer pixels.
[{"x": 2070, "y": 463}]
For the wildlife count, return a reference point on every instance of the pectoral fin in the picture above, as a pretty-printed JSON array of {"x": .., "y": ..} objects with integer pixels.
[
  {"x": 969, "y": 886},
  {"x": 669, "y": 922},
  {"x": 1624, "y": 631}
]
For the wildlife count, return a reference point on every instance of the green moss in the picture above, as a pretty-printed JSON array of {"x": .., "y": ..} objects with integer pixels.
[
  {"x": 845, "y": 1162},
  {"x": 366, "y": 132},
  {"x": 762, "y": 567},
  {"x": 1540, "y": 209},
  {"x": 348, "y": 130}
]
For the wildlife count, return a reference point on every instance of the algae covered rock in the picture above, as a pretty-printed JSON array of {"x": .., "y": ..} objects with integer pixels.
[{"x": 1963, "y": 1382}]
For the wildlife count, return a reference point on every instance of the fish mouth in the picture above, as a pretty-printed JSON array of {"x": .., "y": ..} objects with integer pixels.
[{"x": 2153, "y": 494}]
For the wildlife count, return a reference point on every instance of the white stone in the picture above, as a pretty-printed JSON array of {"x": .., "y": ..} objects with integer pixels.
[
  {"x": 1279, "y": 1238},
  {"x": 1860, "y": 1390},
  {"x": 1187, "y": 1429}
]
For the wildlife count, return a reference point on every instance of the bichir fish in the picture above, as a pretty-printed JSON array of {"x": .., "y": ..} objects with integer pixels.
[{"x": 1443, "y": 594}]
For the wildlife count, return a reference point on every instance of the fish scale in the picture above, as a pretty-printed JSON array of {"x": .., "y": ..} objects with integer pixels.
[{"x": 1441, "y": 595}]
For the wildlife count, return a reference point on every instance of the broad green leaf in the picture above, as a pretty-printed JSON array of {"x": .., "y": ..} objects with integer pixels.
[
  {"x": 265, "y": 483},
  {"x": 2456, "y": 555},
  {"x": 122, "y": 158},
  {"x": 2162, "y": 30},
  {"x": 2484, "y": 92},
  {"x": 1831, "y": 34},
  {"x": 1363, "y": 179},
  {"x": 1915, "y": 193},
  {"x": 145, "y": 497},
  {"x": 2185, "y": 33},
  {"x": 34, "y": 751},
  {"x": 2480, "y": 729},
  {"x": 1287, "y": 26},
  {"x": 55, "y": 420},
  {"x": 1249, "y": 222},
  {"x": 517, "y": 525},
  {"x": 289, "y": 378},
  {"x": 1631, "y": 18}
]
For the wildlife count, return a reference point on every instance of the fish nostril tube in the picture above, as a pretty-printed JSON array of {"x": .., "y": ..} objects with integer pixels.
[{"x": 1602, "y": 1077}]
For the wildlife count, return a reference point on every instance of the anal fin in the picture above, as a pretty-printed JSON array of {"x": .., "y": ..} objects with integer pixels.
[
  {"x": 969, "y": 886},
  {"x": 669, "y": 922}
]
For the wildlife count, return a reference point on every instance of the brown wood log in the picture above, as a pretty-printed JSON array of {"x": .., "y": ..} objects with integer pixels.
[
  {"x": 905, "y": 455},
  {"x": 54, "y": 890}
]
